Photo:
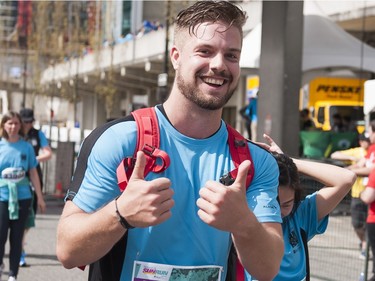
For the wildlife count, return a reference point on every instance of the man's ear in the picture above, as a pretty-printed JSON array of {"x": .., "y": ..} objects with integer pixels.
[{"x": 175, "y": 55}]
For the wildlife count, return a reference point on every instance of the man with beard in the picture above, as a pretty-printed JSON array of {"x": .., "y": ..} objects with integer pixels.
[{"x": 182, "y": 218}]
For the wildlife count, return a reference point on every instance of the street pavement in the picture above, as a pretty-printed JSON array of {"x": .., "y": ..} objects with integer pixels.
[{"x": 40, "y": 249}]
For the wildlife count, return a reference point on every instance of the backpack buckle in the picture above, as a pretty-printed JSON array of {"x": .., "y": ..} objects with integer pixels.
[
  {"x": 227, "y": 179},
  {"x": 129, "y": 163},
  {"x": 158, "y": 156},
  {"x": 239, "y": 142},
  {"x": 148, "y": 150}
]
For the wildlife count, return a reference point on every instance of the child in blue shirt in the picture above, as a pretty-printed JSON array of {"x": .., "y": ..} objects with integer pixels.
[{"x": 308, "y": 215}]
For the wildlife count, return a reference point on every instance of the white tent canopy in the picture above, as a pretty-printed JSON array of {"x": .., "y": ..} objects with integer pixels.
[{"x": 325, "y": 45}]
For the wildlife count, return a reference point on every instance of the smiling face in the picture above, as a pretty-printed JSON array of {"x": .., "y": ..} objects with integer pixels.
[{"x": 207, "y": 64}]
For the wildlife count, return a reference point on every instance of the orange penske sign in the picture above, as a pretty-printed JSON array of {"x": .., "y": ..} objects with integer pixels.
[{"x": 336, "y": 89}]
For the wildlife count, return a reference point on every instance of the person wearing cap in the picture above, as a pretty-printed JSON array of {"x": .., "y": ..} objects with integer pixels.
[
  {"x": 36, "y": 137},
  {"x": 43, "y": 153},
  {"x": 358, "y": 209}
]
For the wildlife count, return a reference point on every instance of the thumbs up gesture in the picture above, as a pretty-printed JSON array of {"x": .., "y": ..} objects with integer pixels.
[
  {"x": 223, "y": 206},
  {"x": 145, "y": 203}
]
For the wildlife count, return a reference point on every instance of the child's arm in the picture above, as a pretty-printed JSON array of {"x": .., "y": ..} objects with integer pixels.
[{"x": 338, "y": 181}]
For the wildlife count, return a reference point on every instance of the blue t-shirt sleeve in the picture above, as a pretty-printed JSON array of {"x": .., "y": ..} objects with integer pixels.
[
  {"x": 43, "y": 140},
  {"x": 99, "y": 185},
  {"x": 263, "y": 191},
  {"x": 307, "y": 215}
]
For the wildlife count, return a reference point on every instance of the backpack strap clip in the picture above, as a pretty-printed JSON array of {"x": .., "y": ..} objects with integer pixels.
[
  {"x": 240, "y": 152},
  {"x": 148, "y": 149},
  {"x": 148, "y": 141},
  {"x": 157, "y": 154},
  {"x": 239, "y": 142}
]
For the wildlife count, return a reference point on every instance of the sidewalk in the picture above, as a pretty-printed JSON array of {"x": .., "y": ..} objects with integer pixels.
[{"x": 40, "y": 249}]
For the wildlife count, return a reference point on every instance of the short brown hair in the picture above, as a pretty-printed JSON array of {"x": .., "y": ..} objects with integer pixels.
[{"x": 210, "y": 11}]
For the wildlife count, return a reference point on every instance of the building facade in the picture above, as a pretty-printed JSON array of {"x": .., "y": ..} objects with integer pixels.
[{"x": 110, "y": 57}]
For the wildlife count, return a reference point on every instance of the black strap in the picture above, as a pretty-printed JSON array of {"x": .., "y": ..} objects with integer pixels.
[
  {"x": 34, "y": 134},
  {"x": 109, "y": 267},
  {"x": 84, "y": 154},
  {"x": 232, "y": 264},
  {"x": 304, "y": 239}
]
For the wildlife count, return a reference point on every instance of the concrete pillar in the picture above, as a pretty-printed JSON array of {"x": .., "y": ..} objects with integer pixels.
[{"x": 280, "y": 73}]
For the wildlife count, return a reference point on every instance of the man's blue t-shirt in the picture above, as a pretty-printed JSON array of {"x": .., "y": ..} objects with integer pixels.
[
  {"x": 293, "y": 264},
  {"x": 16, "y": 158},
  {"x": 184, "y": 239}
]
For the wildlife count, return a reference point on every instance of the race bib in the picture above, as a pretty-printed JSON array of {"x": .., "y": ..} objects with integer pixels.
[
  {"x": 13, "y": 174},
  {"x": 146, "y": 271}
]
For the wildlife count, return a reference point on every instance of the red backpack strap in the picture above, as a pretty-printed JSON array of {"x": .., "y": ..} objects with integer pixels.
[
  {"x": 240, "y": 271},
  {"x": 148, "y": 140},
  {"x": 239, "y": 151}
]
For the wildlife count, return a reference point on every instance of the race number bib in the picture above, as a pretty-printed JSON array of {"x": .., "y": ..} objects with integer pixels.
[
  {"x": 13, "y": 174},
  {"x": 145, "y": 271}
]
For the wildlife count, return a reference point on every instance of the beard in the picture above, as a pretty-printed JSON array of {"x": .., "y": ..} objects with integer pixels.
[{"x": 193, "y": 94}]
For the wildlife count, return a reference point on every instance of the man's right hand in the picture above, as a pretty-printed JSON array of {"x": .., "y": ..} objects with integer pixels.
[{"x": 145, "y": 203}]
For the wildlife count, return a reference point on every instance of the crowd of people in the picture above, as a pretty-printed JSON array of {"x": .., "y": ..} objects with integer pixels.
[{"x": 352, "y": 159}]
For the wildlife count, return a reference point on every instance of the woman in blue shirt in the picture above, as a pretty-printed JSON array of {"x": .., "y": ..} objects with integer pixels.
[{"x": 17, "y": 167}]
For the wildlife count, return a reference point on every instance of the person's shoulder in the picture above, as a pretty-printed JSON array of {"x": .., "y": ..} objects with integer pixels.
[
  {"x": 260, "y": 155},
  {"x": 358, "y": 149},
  {"x": 308, "y": 202},
  {"x": 258, "y": 148},
  {"x": 26, "y": 144},
  {"x": 108, "y": 144},
  {"x": 350, "y": 151},
  {"x": 114, "y": 128},
  {"x": 371, "y": 149},
  {"x": 41, "y": 134},
  {"x": 43, "y": 141}
]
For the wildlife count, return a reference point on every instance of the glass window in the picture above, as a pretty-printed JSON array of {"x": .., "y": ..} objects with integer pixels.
[{"x": 320, "y": 116}]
